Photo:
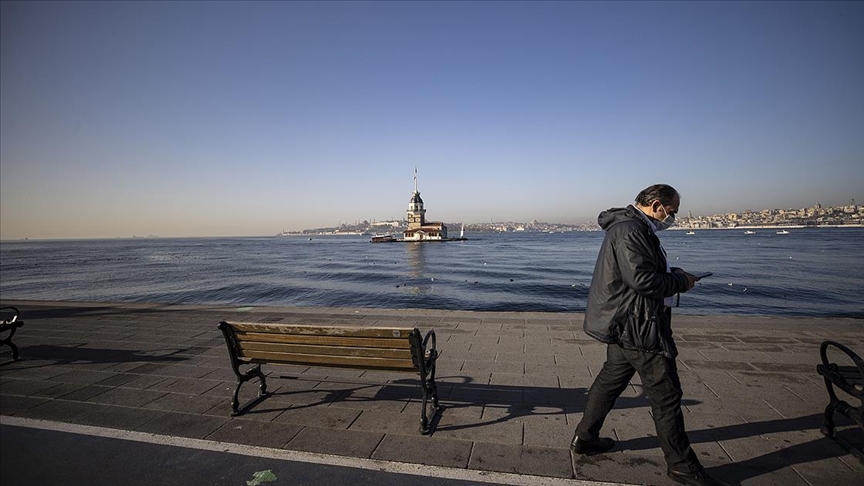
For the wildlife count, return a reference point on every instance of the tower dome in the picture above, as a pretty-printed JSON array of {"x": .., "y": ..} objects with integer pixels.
[
  {"x": 416, "y": 212},
  {"x": 416, "y": 201}
]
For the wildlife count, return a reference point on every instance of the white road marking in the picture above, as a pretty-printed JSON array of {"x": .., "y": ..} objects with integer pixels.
[{"x": 299, "y": 456}]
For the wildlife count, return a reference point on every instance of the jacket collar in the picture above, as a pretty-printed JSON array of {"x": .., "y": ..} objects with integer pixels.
[{"x": 645, "y": 218}]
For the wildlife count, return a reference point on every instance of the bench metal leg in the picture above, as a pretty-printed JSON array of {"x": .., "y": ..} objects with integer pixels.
[
  {"x": 828, "y": 420},
  {"x": 856, "y": 414},
  {"x": 250, "y": 374},
  {"x": 430, "y": 390},
  {"x": 8, "y": 342},
  {"x": 424, "y": 356},
  {"x": 828, "y": 416}
]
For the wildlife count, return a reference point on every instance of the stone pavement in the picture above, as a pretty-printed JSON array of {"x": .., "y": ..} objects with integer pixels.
[{"x": 513, "y": 386}]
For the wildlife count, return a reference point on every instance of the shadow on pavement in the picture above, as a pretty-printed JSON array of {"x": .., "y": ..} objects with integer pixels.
[
  {"x": 814, "y": 450},
  {"x": 514, "y": 401},
  {"x": 62, "y": 355}
]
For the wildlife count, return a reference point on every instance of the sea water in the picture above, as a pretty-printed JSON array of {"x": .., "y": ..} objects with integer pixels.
[{"x": 808, "y": 272}]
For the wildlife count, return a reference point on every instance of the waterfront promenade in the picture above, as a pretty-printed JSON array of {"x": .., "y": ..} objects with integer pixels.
[{"x": 513, "y": 387}]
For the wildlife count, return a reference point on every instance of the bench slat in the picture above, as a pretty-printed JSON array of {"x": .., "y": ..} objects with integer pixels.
[
  {"x": 382, "y": 332},
  {"x": 850, "y": 373},
  {"x": 368, "y": 342},
  {"x": 250, "y": 346},
  {"x": 340, "y": 361}
]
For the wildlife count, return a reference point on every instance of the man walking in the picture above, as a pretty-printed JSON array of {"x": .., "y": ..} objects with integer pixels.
[{"x": 629, "y": 310}]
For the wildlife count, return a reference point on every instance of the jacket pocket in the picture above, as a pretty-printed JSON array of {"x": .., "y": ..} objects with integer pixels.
[{"x": 643, "y": 326}]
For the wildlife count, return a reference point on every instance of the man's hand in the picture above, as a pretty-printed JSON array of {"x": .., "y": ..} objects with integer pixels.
[{"x": 691, "y": 280}]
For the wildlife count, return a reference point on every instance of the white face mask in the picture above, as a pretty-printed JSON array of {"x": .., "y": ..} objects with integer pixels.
[{"x": 666, "y": 222}]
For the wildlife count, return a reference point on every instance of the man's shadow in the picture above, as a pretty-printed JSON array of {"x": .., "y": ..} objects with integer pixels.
[{"x": 806, "y": 452}]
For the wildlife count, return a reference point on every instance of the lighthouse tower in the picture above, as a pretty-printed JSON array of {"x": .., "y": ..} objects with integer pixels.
[
  {"x": 416, "y": 213},
  {"x": 418, "y": 228}
]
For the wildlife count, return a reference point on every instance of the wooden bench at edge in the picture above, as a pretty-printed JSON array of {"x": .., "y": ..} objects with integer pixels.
[
  {"x": 849, "y": 379},
  {"x": 370, "y": 348},
  {"x": 10, "y": 325}
]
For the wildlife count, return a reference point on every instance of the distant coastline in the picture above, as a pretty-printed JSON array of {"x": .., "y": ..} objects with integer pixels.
[
  {"x": 812, "y": 217},
  {"x": 771, "y": 227},
  {"x": 597, "y": 228},
  {"x": 850, "y": 216}
]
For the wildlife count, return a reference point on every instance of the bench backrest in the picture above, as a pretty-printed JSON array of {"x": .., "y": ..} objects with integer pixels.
[{"x": 384, "y": 348}]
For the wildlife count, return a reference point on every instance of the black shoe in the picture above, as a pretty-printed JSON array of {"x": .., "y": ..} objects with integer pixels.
[
  {"x": 698, "y": 478},
  {"x": 588, "y": 447}
]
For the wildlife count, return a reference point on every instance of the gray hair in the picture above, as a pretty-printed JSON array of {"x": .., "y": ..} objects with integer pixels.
[{"x": 658, "y": 192}]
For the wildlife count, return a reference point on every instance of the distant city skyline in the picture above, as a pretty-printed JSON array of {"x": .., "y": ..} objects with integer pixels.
[
  {"x": 850, "y": 214},
  {"x": 247, "y": 118}
]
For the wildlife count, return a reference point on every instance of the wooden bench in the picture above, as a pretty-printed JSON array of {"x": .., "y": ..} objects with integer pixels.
[
  {"x": 370, "y": 348},
  {"x": 11, "y": 324},
  {"x": 850, "y": 379}
]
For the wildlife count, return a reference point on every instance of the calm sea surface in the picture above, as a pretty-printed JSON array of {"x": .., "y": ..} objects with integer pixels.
[{"x": 809, "y": 272}]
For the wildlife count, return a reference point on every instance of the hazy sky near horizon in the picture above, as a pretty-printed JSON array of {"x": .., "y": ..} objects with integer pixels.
[{"x": 224, "y": 119}]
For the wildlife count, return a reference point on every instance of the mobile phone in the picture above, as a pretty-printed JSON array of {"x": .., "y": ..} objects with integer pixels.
[{"x": 701, "y": 275}]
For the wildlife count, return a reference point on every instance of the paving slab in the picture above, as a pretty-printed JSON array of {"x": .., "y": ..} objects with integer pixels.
[
  {"x": 128, "y": 397},
  {"x": 546, "y": 427},
  {"x": 630, "y": 468},
  {"x": 32, "y": 387},
  {"x": 254, "y": 432},
  {"x": 181, "y": 402},
  {"x": 355, "y": 443},
  {"x": 183, "y": 425},
  {"x": 85, "y": 393},
  {"x": 15, "y": 405},
  {"x": 115, "y": 417},
  {"x": 57, "y": 410},
  {"x": 519, "y": 459},
  {"x": 406, "y": 422},
  {"x": 417, "y": 449},
  {"x": 323, "y": 417},
  {"x": 184, "y": 385}
]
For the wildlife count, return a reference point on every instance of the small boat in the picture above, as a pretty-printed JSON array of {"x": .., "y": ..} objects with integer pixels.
[
  {"x": 383, "y": 238},
  {"x": 782, "y": 232},
  {"x": 748, "y": 232},
  {"x": 690, "y": 233},
  {"x": 462, "y": 232}
]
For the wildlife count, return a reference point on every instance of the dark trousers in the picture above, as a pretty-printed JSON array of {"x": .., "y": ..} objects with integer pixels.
[{"x": 661, "y": 383}]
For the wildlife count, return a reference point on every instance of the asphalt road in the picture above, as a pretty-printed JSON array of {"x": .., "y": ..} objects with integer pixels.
[{"x": 45, "y": 457}]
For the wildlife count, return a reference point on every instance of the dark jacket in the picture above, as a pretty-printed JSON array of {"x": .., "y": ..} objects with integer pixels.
[{"x": 625, "y": 301}]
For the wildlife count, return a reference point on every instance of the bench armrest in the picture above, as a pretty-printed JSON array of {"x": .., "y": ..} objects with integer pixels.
[
  {"x": 431, "y": 351},
  {"x": 840, "y": 375},
  {"x": 14, "y": 318}
]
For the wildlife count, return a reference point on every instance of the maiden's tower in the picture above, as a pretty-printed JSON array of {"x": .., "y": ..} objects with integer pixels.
[{"x": 418, "y": 228}]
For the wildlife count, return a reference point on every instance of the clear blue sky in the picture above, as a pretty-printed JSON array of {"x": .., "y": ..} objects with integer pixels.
[{"x": 218, "y": 119}]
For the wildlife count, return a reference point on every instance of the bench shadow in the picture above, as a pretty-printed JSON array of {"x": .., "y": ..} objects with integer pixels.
[
  {"x": 515, "y": 400},
  {"x": 337, "y": 389},
  {"x": 62, "y": 355},
  {"x": 520, "y": 401}
]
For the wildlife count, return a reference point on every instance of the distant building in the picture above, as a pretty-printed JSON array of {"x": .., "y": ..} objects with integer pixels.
[{"x": 418, "y": 228}]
